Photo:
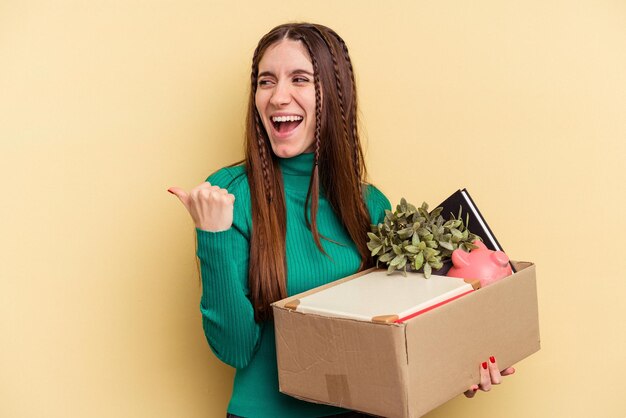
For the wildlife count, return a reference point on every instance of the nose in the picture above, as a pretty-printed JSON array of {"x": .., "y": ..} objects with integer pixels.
[{"x": 281, "y": 94}]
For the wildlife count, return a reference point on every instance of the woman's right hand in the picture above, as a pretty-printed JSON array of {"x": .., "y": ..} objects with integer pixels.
[{"x": 210, "y": 207}]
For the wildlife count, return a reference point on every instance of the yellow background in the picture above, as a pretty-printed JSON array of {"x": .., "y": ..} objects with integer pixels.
[{"x": 104, "y": 105}]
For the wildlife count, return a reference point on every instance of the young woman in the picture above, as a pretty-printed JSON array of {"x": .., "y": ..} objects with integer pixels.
[{"x": 293, "y": 216}]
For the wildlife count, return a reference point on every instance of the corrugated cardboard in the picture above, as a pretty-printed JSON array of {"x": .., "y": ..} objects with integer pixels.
[{"x": 407, "y": 369}]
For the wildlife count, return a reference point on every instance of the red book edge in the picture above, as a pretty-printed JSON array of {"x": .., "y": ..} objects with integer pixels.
[{"x": 413, "y": 315}]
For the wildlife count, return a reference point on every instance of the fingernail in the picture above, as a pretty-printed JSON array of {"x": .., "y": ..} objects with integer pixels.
[
  {"x": 492, "y": 359},
  {"x": 170, "y": 191},
  {"x": 485, "y": 365}
]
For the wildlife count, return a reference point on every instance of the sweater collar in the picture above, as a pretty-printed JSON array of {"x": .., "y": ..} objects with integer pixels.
[{"x": 297, "y": 171}]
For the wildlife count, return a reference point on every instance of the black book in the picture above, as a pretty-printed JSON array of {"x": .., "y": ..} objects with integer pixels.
[{"x": 477, "y": 224}]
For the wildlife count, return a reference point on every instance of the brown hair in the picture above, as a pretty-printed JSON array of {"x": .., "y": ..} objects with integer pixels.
[{"x": 339, "y": 165}]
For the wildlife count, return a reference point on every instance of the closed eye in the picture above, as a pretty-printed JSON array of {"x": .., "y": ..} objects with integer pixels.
[{"x": 265, "y": 82}]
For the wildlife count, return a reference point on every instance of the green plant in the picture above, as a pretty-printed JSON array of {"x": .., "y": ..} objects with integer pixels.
[{"x": 413, "y": 238}]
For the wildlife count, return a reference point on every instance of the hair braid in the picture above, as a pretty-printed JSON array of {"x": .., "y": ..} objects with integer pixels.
[
  {"x": 264, "y": 160},
  {"x": 331, "y": 49},
  {"x": 314, "y": 188},
  {"x": 357, "y": 151},
  {"x": 262, "y": 144}
]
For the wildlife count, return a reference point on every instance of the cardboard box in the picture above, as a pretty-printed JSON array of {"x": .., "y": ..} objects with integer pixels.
[{"x": 407, "y": 369}]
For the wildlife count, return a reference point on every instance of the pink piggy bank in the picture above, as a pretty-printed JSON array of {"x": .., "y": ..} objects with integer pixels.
[{"x": 481, "y": 263}]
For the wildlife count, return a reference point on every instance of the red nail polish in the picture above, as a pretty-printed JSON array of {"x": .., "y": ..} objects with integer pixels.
[
  {"x": 485, "y": 365},
  {"x": 492, "y": 359},
  {"x": 170, "y": 191}
]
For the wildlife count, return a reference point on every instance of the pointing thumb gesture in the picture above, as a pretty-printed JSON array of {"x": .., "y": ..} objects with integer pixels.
[
  {"x": 210, "y": 207},
  {"x": 180, "y": 194}
]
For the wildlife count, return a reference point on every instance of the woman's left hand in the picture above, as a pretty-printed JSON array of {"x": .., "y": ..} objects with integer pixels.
[{"x": 490, "y": 374}]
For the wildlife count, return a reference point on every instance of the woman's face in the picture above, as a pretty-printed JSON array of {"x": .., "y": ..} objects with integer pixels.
[{"x": 285, "y": 98}]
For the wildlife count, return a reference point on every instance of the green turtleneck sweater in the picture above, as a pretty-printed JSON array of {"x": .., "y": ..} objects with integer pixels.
[{"x": 228, "y": 317}]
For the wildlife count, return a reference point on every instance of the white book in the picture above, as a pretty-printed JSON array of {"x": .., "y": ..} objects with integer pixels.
[{"x": 377, "y": 297}]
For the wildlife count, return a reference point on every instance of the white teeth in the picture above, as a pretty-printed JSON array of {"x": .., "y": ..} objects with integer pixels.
[{"x": 286, "y": 118}]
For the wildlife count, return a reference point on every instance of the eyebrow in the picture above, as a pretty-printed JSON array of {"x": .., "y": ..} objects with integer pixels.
[{"x": 298, "y": 71}]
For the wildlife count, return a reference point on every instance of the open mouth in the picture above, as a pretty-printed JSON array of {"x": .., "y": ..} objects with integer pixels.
[{"x": 285, "y": 124}]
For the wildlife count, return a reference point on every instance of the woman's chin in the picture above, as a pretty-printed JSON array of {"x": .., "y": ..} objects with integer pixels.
[{"x": 287, "y": 151}]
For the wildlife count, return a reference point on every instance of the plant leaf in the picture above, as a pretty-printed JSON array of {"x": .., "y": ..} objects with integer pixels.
[
  {"x": 397, "y": 259},
  {"x": 427, "y": 270},
  {"x": 412, "y": 249},
  {"x": 386, "y": 258},
  {"x": 373, "y": 237},
  {"x": 437, "y": 265},
  {"x": 376, "y": 250},
  {"x": 415, "y": 239},
  {"x": 419, "y": 261},
  {"x": 436, "y": 212},
  {"x": 446, "y": 245},
  {"x": 402, "y": 264},
  {"x": 448, "y": 224}
]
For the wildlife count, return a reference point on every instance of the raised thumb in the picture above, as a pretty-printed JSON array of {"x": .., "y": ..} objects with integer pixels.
[{"x": 180, "y": 194}]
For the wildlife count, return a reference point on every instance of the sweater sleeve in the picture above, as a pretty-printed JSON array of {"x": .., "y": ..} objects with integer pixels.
[
  {"x": 227, "y": 313},
  {"x": 377, "y": 203}
]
